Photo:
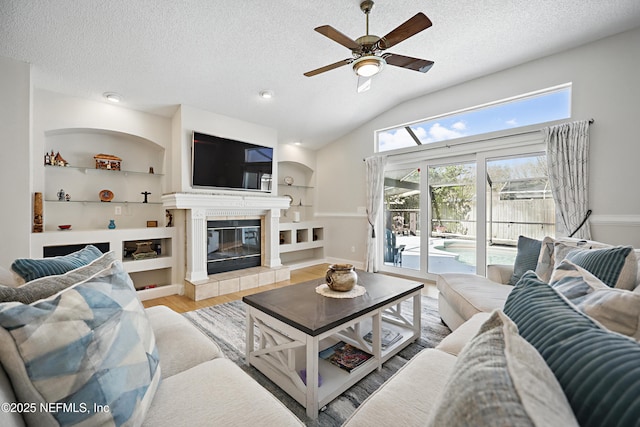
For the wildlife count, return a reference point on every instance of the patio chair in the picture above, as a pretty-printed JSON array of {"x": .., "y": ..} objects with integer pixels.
[{"x": 392, "y": 253}]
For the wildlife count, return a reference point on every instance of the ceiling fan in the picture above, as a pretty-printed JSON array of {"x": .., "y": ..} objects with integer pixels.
[{"x": 368, "y": 57}]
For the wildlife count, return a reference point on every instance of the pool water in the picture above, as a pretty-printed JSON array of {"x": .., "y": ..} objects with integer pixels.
[{"x": 495, "y": 255}]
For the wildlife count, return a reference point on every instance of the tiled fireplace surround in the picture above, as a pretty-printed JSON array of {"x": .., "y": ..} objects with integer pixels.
[{"x": 200, "y": 207}]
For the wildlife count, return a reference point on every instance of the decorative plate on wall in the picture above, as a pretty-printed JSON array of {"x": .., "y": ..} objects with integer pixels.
[{"x": 106, "y": 195}]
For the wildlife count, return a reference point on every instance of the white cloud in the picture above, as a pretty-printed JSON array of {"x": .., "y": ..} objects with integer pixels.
[
  {"x": 437, "y": 132},
  {"x": 459, "y": 125},
  {"x": 400, "y": 138},
  {"x": 512, "y": 122}
]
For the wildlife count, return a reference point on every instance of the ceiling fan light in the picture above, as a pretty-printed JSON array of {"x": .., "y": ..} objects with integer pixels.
[{"x": 368, "y": 66}]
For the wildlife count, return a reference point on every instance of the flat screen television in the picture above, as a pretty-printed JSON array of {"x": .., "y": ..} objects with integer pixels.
[{"x": 218, "y": 162}]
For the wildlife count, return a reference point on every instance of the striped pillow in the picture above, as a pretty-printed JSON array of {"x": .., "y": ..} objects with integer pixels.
[
  {"x": 526, "y": 258},
  {"x": 598, "y": 370},
  {"x": 616, "y": 266},
  {"x": 31, "y": 269}
]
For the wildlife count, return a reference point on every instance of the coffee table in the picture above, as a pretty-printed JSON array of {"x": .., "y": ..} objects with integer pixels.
[{"x": 287, "y": 328}]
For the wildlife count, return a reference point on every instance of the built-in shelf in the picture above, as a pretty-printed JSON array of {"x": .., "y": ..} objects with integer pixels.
[
  {"x": 112, "y": 202},
  {"x": 296, "y": 236},
  {"x": 90, "y": 217},
  {"x": 86, "y": 169},
  {"x": 294, "y": 186},
  {"x": 159, "y": 268}
]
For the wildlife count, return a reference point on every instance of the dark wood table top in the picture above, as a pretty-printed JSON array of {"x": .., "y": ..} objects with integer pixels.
[{"x": 303, "y": 308}]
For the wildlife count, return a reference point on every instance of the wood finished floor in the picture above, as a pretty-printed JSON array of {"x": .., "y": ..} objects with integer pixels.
[{"x": 182, "y": 304}]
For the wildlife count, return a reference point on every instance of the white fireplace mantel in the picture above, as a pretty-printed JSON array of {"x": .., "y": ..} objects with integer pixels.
[{"x": 201, "y": 206}]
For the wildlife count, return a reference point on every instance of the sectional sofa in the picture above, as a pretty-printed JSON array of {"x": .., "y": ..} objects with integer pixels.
[
  {"x": 78, "y": 348},
  {"x": 558, "y": 347},
  {"x": 560, "y": 351}
]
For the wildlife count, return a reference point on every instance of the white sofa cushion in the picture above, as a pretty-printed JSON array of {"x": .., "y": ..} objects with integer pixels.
[
  {"x": 181, "y": 346},
  {"x": 469, "y": 294},
  {"x": 216, "y": 393},
  {"x": 500, "y": 379},
  {"x": 408, "y": 397},
  {"x": 455, "y": 342}
]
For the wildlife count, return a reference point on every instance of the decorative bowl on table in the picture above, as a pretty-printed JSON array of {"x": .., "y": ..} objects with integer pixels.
[
  {"x": 65, "y": 227},
  {"x": 341, "y": 277}
]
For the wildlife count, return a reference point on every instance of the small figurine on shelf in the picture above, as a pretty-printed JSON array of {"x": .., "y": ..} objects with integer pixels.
[
  {"x": 59, "y": 161},
  {"x": 145, "y": 193},
  {"x": 47, "y": 158},
  {"x": 169, "y": 217},
  {"x": 107, "y": 161},
  {"x": 61, "y": 195},
  {"x": 67, "y": 197},
  {"x": 151, "y": 169},
  {"x": 112, "y": 224}
]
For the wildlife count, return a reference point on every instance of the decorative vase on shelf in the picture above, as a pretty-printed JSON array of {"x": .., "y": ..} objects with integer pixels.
[
  {"x": 112, "y": 224},
  {"x": 341, "y": 277}
]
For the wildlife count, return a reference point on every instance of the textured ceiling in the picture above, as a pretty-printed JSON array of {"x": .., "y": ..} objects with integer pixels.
[{"x": 217, "y": 55}]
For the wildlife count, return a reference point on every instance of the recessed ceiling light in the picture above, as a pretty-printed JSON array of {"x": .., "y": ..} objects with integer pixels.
[
  {"x": 297, "y": 143},
  {"x": 266, "y": 94},
  {"x": 112, "y": 97}
]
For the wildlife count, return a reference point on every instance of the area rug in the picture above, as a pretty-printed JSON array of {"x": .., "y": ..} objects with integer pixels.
[{"x": 225, "y": 324}]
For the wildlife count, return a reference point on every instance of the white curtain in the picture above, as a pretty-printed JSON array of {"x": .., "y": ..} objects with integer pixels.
[
  {"x": 375, "y": 182},
  {"x": 568, "y": 162}
]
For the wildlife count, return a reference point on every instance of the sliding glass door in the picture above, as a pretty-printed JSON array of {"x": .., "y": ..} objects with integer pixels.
[
  {"x": 473, "y": 210},
  {"x": 402, "y": 220},
  {"x": 452, "y": 218}
]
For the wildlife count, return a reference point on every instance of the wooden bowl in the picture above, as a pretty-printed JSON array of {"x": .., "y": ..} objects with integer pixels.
[{"x": 64, "y": 227}]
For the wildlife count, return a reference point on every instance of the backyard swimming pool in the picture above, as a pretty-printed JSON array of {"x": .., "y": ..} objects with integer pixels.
[{"x": 467, "y": 252}]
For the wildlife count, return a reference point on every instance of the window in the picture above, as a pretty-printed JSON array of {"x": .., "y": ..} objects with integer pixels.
[
  {"x": 544, "y": 106},
  {"x": 459, "y": 210}
]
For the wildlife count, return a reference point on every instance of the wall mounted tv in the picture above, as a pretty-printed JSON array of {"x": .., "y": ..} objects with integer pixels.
[{"x": 226, "y": 163}]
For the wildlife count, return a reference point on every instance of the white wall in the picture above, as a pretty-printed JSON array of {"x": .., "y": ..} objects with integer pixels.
[
  {"x": 16, "y": 215},
  {"x": 605, "y": 87}
]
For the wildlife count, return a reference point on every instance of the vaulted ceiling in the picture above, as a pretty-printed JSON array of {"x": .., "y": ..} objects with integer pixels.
[{"x": 217, "y": 55}]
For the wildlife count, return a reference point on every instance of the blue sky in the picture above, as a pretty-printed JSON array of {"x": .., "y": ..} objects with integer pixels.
[{"x": 527, "y": 111}]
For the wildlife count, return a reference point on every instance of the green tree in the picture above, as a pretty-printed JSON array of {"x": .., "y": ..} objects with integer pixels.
[{"x": 452, "y": 191}]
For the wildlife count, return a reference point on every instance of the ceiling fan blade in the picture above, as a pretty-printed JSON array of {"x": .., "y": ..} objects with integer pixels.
[
  {"x": 328, "y": 67},
  {"x": 338, "y": 37},
  {"x": 416, "y": 64},
  {"x": 409, "y": 28}
]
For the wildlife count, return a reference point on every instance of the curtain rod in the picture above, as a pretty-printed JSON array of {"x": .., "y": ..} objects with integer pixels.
[{"x": 591, "y": 121}]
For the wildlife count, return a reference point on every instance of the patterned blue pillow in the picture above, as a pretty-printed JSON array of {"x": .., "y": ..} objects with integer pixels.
[
  {"x": 598, "y": 370},
  {"x": 31, "y": 269},
  {"x": 89, "y": 349},
  {"x": 526, "y": 258}
]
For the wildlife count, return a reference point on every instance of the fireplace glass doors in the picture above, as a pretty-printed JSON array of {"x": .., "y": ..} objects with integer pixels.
[{"x": 233, "y": 245}]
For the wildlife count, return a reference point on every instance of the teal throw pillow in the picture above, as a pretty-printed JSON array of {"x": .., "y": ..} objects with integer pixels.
[
  {"x": 31, "y": 269},
  {"x": 598, "y": 370},
  {"x": 44, "y": 287},
  {"x": 526, "y": 258}
]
